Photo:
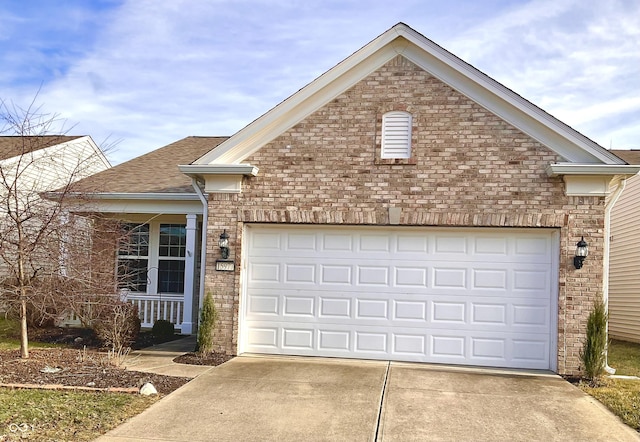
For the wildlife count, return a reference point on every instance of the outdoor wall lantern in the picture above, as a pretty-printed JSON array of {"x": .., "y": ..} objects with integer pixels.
[
  {"x": 582, "y": 250},
  {"x": 223, "y": 242}
]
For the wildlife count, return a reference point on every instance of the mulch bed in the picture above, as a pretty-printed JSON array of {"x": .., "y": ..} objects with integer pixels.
[
  {"x": 208, "y": 359},
  {"x": 77, "y": 368},
  {"x": 83, "y": 364}
]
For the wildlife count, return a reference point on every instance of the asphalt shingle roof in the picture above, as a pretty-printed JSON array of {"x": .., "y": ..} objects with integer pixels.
[
  {"x": 15, "y": 145},
  {"x": 154, "y": 172},
  {"x": 630, "y": 156}
]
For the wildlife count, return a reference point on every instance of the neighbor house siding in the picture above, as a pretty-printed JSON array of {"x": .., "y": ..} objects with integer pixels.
[
  {"x": 624, "y": 265},
  {"x": 467, "y": 168}
]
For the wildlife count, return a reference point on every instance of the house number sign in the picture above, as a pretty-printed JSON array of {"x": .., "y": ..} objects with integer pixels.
[{"x": 225, "y": 265}]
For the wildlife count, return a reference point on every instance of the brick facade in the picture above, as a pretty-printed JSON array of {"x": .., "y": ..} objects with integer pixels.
[{"x": 468, "y": 168}]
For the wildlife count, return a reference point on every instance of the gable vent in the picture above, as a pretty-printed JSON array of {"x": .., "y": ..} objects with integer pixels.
[{"x": 396, "y": 135}]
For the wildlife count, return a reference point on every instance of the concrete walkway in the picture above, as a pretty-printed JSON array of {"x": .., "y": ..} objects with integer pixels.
[
  {"x": 159, "y": 359},
  {"x": 309, "y": 399}
]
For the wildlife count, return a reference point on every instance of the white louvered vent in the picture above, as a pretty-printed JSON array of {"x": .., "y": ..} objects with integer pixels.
[{"x": 396, "y": 135}]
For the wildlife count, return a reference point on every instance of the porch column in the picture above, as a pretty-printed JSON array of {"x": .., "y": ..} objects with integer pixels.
[{"x": 189, "y": 275}]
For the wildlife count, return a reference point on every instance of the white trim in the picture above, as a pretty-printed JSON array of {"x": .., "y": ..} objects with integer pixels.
[
  {"x": 138, "y": 196},
  {"x": 555, "y": 299},
  {"x": 557, "y": 169},
  {"x": 189, "y": 274},
  {"x": 146, "y": 206},
  {"x": 224, "y": 169},
  {"x": 402, "y": 40}
]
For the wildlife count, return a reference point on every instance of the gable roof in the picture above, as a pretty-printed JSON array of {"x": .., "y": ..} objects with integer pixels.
[
  {"x": 155, "y": 172},
  {"x": 630, "y": 156},
  {"x": 16, "y": 145},
  {"x": 403, "y": 40}
]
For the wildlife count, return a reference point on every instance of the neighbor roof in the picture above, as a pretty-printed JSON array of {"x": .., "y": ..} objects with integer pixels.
[
  {"x": 630, "y": 156},
  {"x": 16, "y": 145},
  {"x": 154, "y": 172}
]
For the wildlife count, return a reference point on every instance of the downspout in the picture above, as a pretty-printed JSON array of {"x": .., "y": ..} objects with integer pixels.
[
  {"x": 607, "y": 245},
  {"x": 203, "y": 246}
]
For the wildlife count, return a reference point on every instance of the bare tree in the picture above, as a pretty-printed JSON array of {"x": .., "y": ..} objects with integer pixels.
[{"x": 33, "y": 229}]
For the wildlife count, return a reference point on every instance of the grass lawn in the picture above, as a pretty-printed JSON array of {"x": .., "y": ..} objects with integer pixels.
[
  {"x": 64, "y": 415},
  {"x": 621, "y": 396},
  {"x": 59, "y": 415},
  {"x": 10, "y": 336}
]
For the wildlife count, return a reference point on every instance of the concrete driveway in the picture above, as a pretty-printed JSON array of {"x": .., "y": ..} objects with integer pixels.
[{"x": 307, "y": 399}]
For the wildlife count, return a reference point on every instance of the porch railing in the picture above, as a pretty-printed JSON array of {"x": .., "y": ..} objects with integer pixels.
[
  {"x": 150, "y": 309},
  {"x": 154, "y": 307}
]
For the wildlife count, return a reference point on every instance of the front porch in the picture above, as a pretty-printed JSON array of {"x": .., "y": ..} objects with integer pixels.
[{"x": 169, "y": 307}]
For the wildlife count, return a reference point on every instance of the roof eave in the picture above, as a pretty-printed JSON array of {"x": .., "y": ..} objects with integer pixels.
[
  {"x": 403, "y": 40},
  {"x": 559, "y": 169}
]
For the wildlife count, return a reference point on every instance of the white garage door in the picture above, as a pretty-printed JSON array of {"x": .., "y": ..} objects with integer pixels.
[{"x": 472, "y": 296}]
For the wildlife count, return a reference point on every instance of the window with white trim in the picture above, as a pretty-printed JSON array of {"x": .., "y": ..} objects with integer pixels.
[
  {"x": 151, "y": 258},
  {"x": 396, "y": 135},
  {"x": 171, "y": 258},
  {"x": 133, "y": 257}
]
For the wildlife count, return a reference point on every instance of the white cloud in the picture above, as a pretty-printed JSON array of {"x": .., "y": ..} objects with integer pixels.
[
  {"x": 580, "y": 61},
  {"x": 151, "y": 72}
]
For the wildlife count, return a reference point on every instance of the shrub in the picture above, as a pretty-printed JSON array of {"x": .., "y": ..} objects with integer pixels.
[
  {"x": 208, "y": 317},
  {"x": 120, "y": 327},
  {"x": 595, "y": 343},
  {"x": 162, "y": 330}
]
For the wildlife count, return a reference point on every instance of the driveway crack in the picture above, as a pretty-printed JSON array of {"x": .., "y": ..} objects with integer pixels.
[{"x": 384, "y": 390}]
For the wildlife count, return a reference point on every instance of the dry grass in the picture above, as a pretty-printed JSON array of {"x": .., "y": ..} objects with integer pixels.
[
  {"x": 621, "y": 396},
  {"x": 59, "y": 415},
  {"x": 63, "y": 415}
]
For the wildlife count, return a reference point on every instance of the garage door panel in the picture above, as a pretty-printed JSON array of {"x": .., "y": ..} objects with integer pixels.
[
  {"x": 475, "y": 296},
  {"x": 479, "y": 277},
  {"x": 371, "y": 308},
  {"x": 450, "y": 346}
]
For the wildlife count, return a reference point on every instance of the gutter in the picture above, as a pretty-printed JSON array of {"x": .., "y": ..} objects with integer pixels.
[
  {"x": 607, "y": 246},
  {"x": 203, "y": 245}
]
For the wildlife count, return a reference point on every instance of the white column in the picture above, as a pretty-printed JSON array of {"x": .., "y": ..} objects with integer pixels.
[{"x": 189, "y": 275}]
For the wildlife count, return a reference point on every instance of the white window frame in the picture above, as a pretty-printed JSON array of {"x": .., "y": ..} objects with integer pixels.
[
  {"x": 396, "y": 135},
  {"x": 153, "y": 258}
]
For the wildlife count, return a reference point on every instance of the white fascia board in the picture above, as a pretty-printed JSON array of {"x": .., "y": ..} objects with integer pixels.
[
  {"x": 558, "y": 169},
  {"x": 303, "y": 103},
  {"x": 504, "y": 102},
  {"x": 218, "y": 169},
  {"x": 140, "y": 203},
  {"x": 139, "y": 196},
  {"x": 445, "y": 66}
]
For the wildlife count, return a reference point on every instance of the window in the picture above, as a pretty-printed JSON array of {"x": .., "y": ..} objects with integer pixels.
[
  {"x": 151, "y": 258},
  {"x": 171, "y": 254},
  {"x": 133, "y": 257},
  {"x": 396, "y": 135}
]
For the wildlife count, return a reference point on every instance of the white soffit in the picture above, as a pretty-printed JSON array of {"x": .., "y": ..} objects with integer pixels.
[
  {"x": 403, "y": 40},
  {"x": 149, "y": 203}
]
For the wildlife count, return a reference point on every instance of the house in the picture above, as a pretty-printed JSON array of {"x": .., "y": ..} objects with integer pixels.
[
  {"x": 402, "y": 206},
  {"x": 47, "y": 162},
  {"x": 624, "y": 267},
  {"x": 29, "y": 167}
]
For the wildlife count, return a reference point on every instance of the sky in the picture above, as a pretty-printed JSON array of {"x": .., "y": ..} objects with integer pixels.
[{"x": 139, "y": 74}]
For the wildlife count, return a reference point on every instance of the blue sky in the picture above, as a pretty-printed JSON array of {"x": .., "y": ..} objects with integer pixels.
[{"x": 139, "y": 74}]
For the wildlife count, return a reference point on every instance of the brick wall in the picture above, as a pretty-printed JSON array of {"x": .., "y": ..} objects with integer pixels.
[{"x": 468, "y": 168}]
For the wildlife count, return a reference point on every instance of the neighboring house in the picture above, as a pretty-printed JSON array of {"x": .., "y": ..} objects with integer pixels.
[
  {"x": 624, "y": 261},
  {"x": 33, "y": 165},
  {"x": 402, "y": 206}
]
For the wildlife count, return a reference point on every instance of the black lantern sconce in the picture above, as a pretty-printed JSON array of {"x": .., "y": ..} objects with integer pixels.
[
  {"x": 223, "y": 242},
  {"x": 582, "y": 250}
]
